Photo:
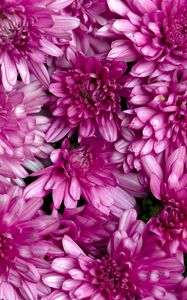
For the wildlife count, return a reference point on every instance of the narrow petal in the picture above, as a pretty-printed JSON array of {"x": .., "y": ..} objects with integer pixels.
[
  {"x": 23, "y": 70},
  {"x": 40, "y": 72},
  {"x": 155, "y": 186},
  {"x": 151, "y": 166},
  {"x": 75, "y": 189},
  {"x": 143, "y": 68},
  {"x": 118, "y": 7},
  {"x": 109, "y": 131},
  {"x": 10, "y": 69},
  {"x": 127, "y": 219},
  {"x": 53, "y": 280},
  {"x": 50, "y": 48},
  {"x": 84, "y": 291},
  {"x": 63, "y": 265},
  {"x": 70, "y": 247}
]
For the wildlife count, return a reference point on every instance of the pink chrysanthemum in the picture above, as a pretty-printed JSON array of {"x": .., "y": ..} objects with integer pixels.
[
  {"x": 92, "y": 15},
  {"x": 83, "y": 171},
  {"x": 133, "y": 268},
  {"x": 89, "y": 227},
  {"x": 22, "y": 245},
  {"x": 22, "y": 129},
  {"x": 168, "y": 183},
  {"x": 30, "y": 31},
  {"x": 89, "y": 94},
  {"x": 156, "y": 119},
  {"x": 157, "y": 31}
]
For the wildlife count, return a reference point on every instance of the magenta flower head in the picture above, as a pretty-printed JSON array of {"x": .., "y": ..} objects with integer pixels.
[
  {"x": 89, "y": 98},
  {"x": 89, "y": 227},
  {"x": 23, "y": 248},
  {"x": 22, "y": 129},
  {"x": 168, "y": 183},
  {"x": 156, "y": 119},
  {"x": 29, "y": 33},
  {"x": 156, "y": 30},
  {"x": 83, "y": 171},
  {"x": 131, "y": 268},
  {"x": 92, "y": 15}
]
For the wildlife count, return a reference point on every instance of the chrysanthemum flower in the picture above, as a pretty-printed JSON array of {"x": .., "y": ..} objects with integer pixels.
[
  {"x": 92, "y": 15},
  {"x": 22, "y": 129},
  {"x": 23, "y": 249},
  {"x": 82, "y": 171},
  {"x": 157, "y": 31},
  {"x": 168, "y": 183},
  {"x": 89, "y": 227},
  {"x": 30, "y": 31},
  {"x": 89, "y": 94},
  {"x": 133, "y": 268},
  {"x": 156, "y": 119}
]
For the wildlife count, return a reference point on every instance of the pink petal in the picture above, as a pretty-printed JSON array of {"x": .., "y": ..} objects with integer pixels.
[
  {"x": 160, "y": 146},
  {"x": 58, "y": 195},
  {"x": 23, "y": 70},
  {"x": 7, "y": 291},
  {"x": 63, "y": 265},
  {"x": 173, "y": 181},
  {"x": 70, "y": 247},
  {"x": 122, "y": 199},
  {"x": 123, "y": 49},
  {"x": 57, "y": 131},
  {"x": 10, "y": 69},
  {"x": 40, "y": 72},
  {"x": 155, "y": 186},
  {"x": 158, "y": 121},
  {"x": 144, "y": 113},
  {"x": 109, "y": 131},
  {"x": 35, "y": 188},
  {"x": 30, "y": 208},
  {"x": 140, "y": 39},
  {"x": 53, "y": 280},
  {"x": 86, "y": 128},
  {"x": 145, "y": 6},
  {"x": 50, "y": 48},
  {"x": 70, "y": 284},
  {"x": 151, "y": 166},
  {"x": 118, "y": 7},
  {"x": 139, "y": 100},
  {"x": 127, "y": 219},
  {"x": 148, "y": 147},
  {"x": 64, "y": 23},
  {"x": 84, "y": 291},
  {"x": 149, "y": 50},
  {"x": 75, "y": 189},
  {"x": 59, "y": 4},
  {"x": 125, "y": 27},
  {"x": 143, "y": 68}
]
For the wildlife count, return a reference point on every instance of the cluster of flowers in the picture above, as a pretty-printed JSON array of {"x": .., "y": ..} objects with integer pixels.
[{"x": 93, "y": 127}]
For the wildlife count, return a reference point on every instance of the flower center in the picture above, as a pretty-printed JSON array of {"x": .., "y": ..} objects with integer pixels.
[
  {"x": 81, "y": 160},
  {"x": 83, "y": 87},
  {"x": 114, "y": 279},
  {"x": 91, "y": 95},
  {"x": 15, "y": 31},
  {"x": 176, "y": 34},
  {"x": 171, "y": 219}
]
